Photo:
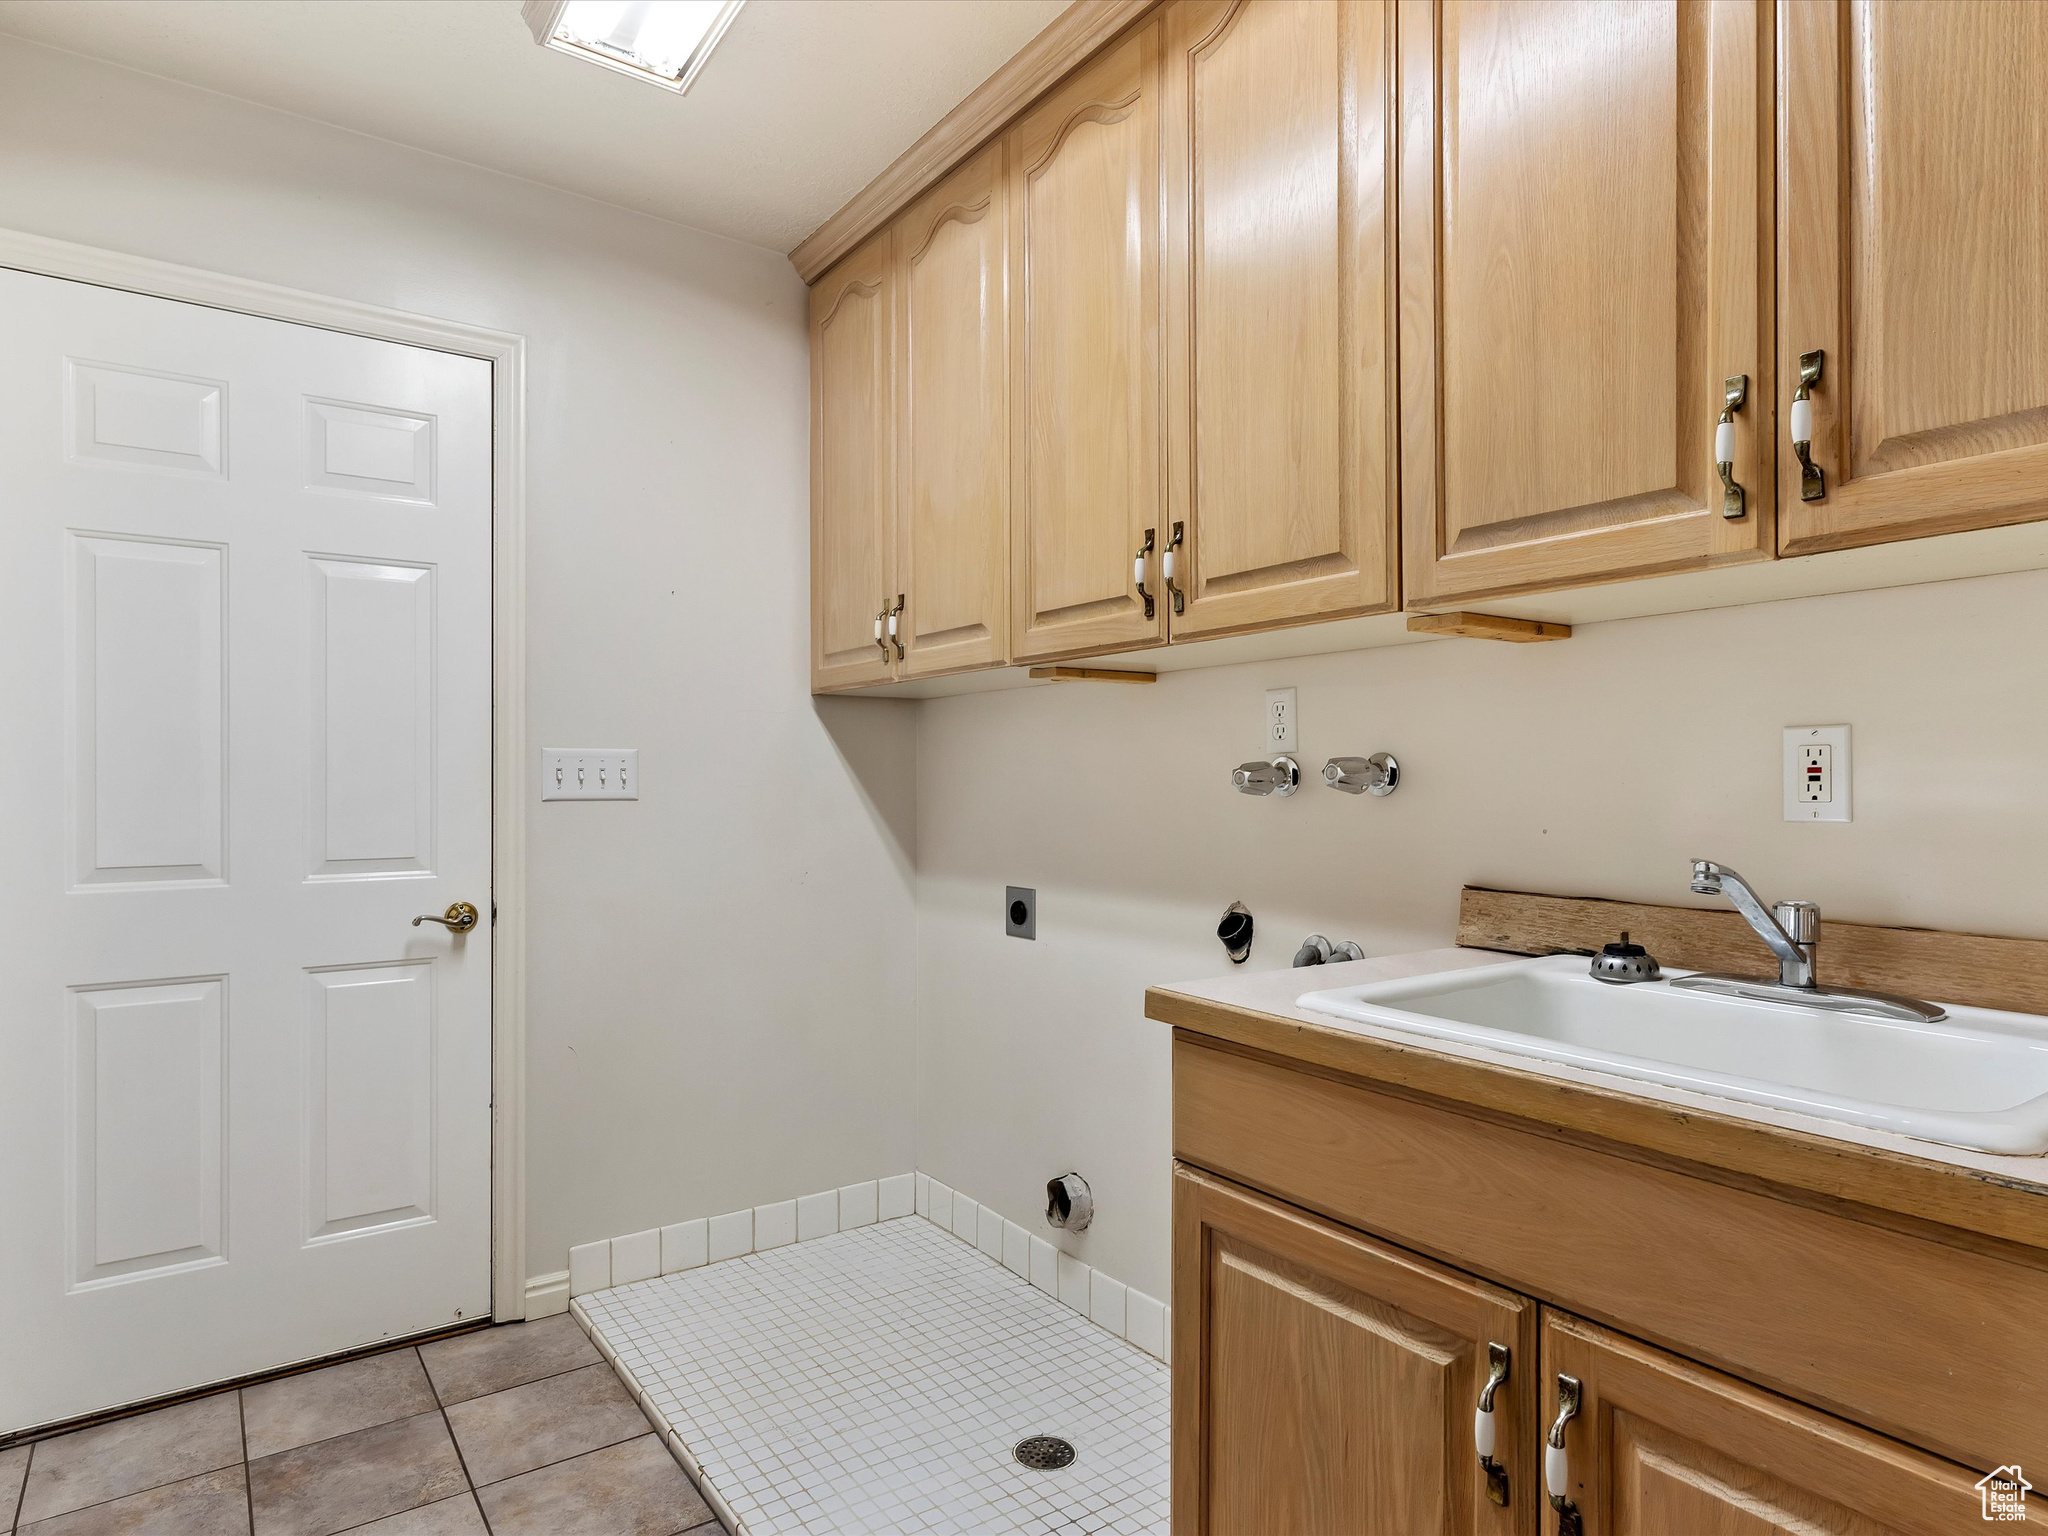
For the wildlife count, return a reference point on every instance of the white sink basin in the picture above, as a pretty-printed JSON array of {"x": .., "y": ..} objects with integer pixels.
[{"x": 1978, "y": 1079}]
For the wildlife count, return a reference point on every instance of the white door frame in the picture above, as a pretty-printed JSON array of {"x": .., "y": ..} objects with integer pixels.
[{"x": 506, "y": 353}]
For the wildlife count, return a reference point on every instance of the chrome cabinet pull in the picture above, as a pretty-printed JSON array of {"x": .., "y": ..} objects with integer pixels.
[
  {"x": 894, "y": 615},
  {"x": 459, "y": 918},
  {"x": 1734, "y": 501},
  {"x": 1166, "y": 564},
  {"x": 1557, "y": 1468},
  {"x": 1813, "y": 480},
  {"x": 1497, "y": 1361},
  {"x": 1138, "y": 571}
]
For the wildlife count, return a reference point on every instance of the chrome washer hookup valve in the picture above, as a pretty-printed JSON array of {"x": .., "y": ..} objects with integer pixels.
[
  {"x": 1281, "y": 776},
  {"x": 1375, "y": 775}
]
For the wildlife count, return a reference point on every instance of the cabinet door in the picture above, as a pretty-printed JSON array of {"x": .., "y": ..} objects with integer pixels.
[
  {"x": 1084, "y": 248},
  {"x": 953, "y": 423},
  {"x": 853, "y": 521},
  {"x": 1660, "y": 1445},
  {"x": 1277, "y": 271},
  {"x": 1326, "y": 1385},
  {"x": 1585, "y": 258},
  {"x": 1913, "y": 230}
]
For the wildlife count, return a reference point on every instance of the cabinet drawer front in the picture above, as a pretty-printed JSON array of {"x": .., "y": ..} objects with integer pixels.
[
  {"x": 1661, "y": 1445},
  {"x": 1328, "y": 1382},
  {"x": 1937, "y": 1345}
]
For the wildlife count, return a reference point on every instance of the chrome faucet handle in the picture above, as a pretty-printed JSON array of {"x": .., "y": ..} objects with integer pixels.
[
  {"x": 1799, "y": 919},
  {"x": 1281, "y": 776},
  {"x": 1375, "y": 775}
]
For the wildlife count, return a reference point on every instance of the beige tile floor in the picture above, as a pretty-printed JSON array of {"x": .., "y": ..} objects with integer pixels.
[{"x": 514, "y": 1431}]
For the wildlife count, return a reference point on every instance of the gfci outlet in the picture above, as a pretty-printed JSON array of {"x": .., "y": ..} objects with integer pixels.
[
  {"x": 590, "y": 773},
  {"x": 1282, "y": 733},
  {"x": 1817, "y": 773}
]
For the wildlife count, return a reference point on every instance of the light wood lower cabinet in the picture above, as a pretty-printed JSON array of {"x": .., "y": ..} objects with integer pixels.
[
  {"x": 1663, "y": 1447},
  {"x": 1915, "y": 135},
  {"x": 1330, "y": 1382},
  {"x": 1329, "y": 1385},
  {"x": 1345, "y": 1254}
]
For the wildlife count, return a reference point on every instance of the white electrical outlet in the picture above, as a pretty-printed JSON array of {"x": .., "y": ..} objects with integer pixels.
[
  {"x": 590, "y": 773},
  {"x": 1817, "y": 773},
  {"x": 1282, "y": 735}
]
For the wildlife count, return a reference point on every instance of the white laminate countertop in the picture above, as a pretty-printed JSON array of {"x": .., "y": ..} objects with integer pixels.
[{"x": 1273, "y": 993}]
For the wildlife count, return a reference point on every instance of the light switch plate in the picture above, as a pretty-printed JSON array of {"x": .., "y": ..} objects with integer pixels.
[
  {"x": 1817, "y": 773},
  {"x": 590, "y": 773},
  {"x": 1283, "y": 734}
]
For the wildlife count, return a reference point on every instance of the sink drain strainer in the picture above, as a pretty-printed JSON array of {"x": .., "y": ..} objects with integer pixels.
[{"x": 1044, "y": 1453}]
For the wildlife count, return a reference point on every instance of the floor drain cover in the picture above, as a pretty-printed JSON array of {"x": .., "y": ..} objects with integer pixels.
[{"x": 1044, "y": 1453}]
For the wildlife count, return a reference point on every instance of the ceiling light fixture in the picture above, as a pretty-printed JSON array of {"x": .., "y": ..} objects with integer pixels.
[{"x": 665, "y": 41}]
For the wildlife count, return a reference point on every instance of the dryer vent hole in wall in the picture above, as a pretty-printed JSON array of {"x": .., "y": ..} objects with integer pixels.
[{"x": 1069, "y": 1204}]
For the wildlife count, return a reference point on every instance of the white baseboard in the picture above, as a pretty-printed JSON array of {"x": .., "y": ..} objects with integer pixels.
[
  {"x": 1096, "y": 1295},
  {"x": 1101, "y": 1298},
  {"x": 547, "y": 1295},
  {"x": 669, "y": 1250}
]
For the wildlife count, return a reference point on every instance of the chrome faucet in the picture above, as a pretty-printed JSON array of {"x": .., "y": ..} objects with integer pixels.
[{"x": 1792, "y": 929}]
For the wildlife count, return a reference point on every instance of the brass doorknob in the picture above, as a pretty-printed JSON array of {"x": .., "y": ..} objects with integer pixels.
[{"x": 459, "y": 918}]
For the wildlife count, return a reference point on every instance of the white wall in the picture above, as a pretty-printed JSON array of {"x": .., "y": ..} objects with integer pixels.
[
  {"x": 720, "y": 973},
  {"x": 1595, "y": 766}
]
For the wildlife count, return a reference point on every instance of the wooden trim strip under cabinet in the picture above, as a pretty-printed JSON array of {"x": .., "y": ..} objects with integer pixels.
[
  {"x": 1486, "y": 626},
  {"x": 1090, "y": 675},
  {"x": 1933, "y": 1343},
  {"x": 1072, "y": 36}
]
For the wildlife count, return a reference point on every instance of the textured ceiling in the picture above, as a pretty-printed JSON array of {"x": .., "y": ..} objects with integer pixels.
[{"x": 803, "y": 103}]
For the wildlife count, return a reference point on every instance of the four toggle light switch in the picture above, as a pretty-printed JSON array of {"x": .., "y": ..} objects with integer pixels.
[{"x": 590, "y": 773}]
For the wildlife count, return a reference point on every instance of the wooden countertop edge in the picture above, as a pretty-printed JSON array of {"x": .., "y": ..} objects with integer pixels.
[{"x": 1970, "y": 1199}]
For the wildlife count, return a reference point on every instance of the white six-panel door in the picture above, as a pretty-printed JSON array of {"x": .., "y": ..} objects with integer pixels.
[{"x": 245, "y": 661}]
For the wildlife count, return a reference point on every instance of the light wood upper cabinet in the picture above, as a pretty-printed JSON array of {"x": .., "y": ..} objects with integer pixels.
[
  {"x": 1328, "y": 1383},
  {"x": 952, "y": 417},
  {"x": 1915, "y": 133},
  {"x": 1277, "y": 269},
  {"x": 853, "y": 524},
  {"x": 1084, "y": 355},
  {"x": 1660, "y": 1445},
  {"x": 1584, "y": 257}
]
